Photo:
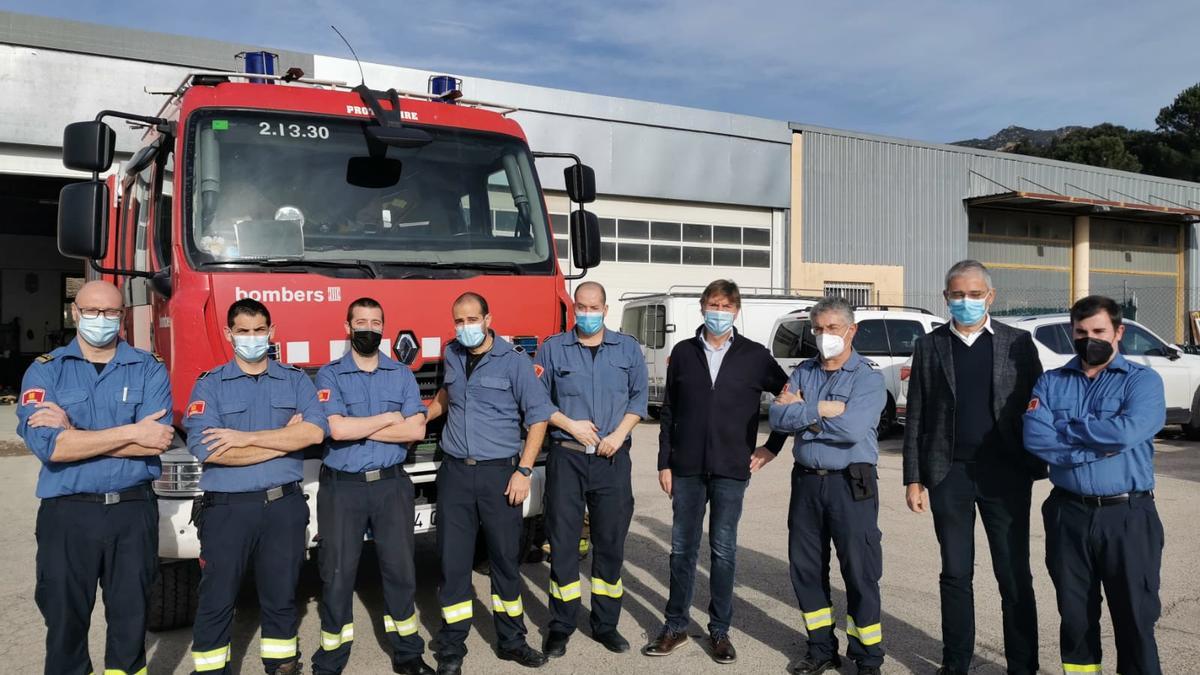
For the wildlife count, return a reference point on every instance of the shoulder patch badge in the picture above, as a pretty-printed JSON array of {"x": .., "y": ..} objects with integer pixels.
[
  {"x": 45, "y": 358},
  {"x": 538, "y": 370},
  {"x": 195, "y": 408},
  {"x": 32, "y": 396},
  {"x": 1033, "y": 405},
  {"x": 323, "y": 395}
]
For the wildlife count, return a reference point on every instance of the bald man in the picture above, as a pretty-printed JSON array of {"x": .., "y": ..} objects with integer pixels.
[{"x": 97, "y": 414}]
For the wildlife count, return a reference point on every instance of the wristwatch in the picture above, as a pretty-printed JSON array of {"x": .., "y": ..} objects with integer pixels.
[{"x": 525, "y": 471}]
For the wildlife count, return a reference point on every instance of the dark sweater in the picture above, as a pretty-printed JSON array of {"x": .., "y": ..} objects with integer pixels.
[
  {"x": 708, "y": 428},
  {"x": 974, "y": 422}
]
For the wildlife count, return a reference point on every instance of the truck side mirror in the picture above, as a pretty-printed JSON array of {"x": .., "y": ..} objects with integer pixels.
[
  {"x": 585, "y": 239},
  {"x": 88, "y": 146},
  {"x": 83, "y": 220},
  {"x": 581, "y": 183}
]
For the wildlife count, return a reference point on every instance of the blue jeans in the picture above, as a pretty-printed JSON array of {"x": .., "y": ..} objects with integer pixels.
[{"x": 691, "y": 495}]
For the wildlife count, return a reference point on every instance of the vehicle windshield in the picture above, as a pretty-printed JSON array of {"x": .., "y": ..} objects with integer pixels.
[{"x": 293, "y": 189}]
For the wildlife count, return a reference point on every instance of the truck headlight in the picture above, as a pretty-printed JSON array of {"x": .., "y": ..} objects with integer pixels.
[{"x": 180, "y": 474}]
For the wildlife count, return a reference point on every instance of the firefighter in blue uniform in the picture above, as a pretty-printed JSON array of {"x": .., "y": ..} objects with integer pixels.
[
  {"x": 97, "y": 414},
  {"x": 597, "y": 379},
  {"x": 833, "y": 404},
  {"x": 490, "y": 390},
  {"x": 374, "y": 408},
  {"x": 1093, "y": 421},
  {"x": 247, "y": 421}
]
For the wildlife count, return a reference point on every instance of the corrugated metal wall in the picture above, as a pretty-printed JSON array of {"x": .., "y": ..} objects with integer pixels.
[{"x": 876, "y": 200}]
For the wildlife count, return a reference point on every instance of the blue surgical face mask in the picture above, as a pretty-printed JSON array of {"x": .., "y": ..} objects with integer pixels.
[
  {"x": 968, "y": 311},
  {"x": 251, "y": 348},
  {"x": 98, "y": 332},
  {"x": 589, "y": 323},
  {"x": 718, "y": 322},
  {"x": 470, "y": 335}
]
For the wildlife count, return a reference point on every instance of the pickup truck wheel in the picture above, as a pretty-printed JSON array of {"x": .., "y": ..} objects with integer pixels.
[
  {"x": 174, "y": 596},
  {"x": 887, "y": 418},
  {"x": 1191, "y": 428}
]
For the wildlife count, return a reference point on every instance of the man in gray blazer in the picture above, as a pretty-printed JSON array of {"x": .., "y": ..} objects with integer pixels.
[{"x": 970, "y": 384}]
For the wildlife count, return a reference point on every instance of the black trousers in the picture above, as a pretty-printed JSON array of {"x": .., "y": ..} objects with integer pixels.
[
  {"x": 345, "y": 511},
  {"x": 823, "y": 510},
  {"x": 1116, "y": 547},
  {"x": 575, "y": 480},
  {"x": 471, "y": 498},
  {"x": 1003, "y": 501},
  {"x": 80, "y": 544},
  {"x": 234, "y": 535}
]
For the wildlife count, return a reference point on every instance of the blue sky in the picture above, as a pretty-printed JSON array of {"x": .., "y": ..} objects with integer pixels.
[{"x": 931, "y": 70}]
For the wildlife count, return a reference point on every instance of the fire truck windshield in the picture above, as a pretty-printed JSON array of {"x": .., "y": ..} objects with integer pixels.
[{"x": 276, "y": 189}]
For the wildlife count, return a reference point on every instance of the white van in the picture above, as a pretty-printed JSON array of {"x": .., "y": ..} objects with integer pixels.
[
  {"x": 886, "y": 335},
  {"x": 660, "y": 320}
]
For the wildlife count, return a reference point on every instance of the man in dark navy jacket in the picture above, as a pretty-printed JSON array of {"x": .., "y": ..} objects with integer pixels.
[{"x": 709, "y": 427}]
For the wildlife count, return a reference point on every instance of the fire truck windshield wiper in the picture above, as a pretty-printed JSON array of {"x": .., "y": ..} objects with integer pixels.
[
  {"x": 486, "y": 266},
  {"x": 364, "y": 265}
]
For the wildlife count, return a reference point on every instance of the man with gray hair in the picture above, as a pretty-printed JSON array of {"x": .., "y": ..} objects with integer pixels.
[
  {"x": 832, "y": 405},
  {"x": 971, "y": 381}
]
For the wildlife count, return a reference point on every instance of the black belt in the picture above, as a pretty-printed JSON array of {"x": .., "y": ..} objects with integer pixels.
[
  {"x": 819, "y": 472},
  {"x": 470, "y": 461},
  {"x": 138, "y": 493},
  {"x": 266, "y": 496},
  {"x": 1108, "y": 500},
  {"x": 366, "y": 476},
  {"x": 580, "y": 447}
]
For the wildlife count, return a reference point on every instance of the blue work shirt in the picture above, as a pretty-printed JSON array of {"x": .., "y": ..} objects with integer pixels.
[
  {"x": 602, "y": 389},
  {"x": 228, "y": 398},
  {"x": 1097, "y": 434},
  {"x": 833, "y": 442},
  {"x": 486, "y": 409},
  {"x": 132, "y": 385},
  {"x": 345, "y": 389}
]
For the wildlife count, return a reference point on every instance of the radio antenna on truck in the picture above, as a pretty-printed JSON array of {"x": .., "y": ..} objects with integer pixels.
[{"x": 361, "y": 76}]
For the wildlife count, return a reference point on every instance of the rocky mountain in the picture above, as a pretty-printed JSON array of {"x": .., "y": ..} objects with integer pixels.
[{"x": 1006, "y": 139}]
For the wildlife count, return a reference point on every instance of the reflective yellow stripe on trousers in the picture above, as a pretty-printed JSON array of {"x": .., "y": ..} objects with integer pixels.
[
  {"x": 868, "y": 635},
  {"x": 818, "y": 619},
  {"x": 455, "y": 613},
  {"x": 510, "y": 607},
  {"x": 331, "y": 641},
  {"x": 602, "y": 587},
  {"x": 114, "y": 671},
  {"x": 278, "y": 648},
  {"x": 565, "y": 593},
  {"x": 1081, "y": 668},
  {"x": 214, "y": 659},
  {"x": 403, "y": 628}
]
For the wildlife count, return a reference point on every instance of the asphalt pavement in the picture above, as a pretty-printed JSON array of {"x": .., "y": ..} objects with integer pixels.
[{"x": 767, "y": 624}]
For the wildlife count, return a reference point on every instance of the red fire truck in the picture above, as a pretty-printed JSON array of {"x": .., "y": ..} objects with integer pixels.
[{"x": 305, "y": 195}]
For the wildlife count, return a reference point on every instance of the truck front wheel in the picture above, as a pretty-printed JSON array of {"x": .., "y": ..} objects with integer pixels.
[{"x": 174, "y": 595}]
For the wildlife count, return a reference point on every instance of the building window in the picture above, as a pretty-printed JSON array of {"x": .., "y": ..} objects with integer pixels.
[
  {"x": 608, "y": 227},
  {"x": 727, "y": 235},
  {"x": 668, "y": 255},
  {"x": 751, "y": 258},
  {"x": 727, "y": 257},
  {"x": 855, "y": 293},
  {"x": 693, "y": 255},
  {"x": 633, "y": 252},
  {"x": 752, "y": 236},
  {"x": 560, "y": 247},
  {"x": 608, "y": 251},
  {"x": 698, "y": 234},
  {"x": 664, "y": 231},
  {"x": 633, "y": 229},
  {"x": 559, "y": 222}
]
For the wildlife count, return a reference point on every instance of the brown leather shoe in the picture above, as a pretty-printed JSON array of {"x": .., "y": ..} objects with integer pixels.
[
  {"x": 666, "y": 642},
  {"x": 722, "y": 650}
]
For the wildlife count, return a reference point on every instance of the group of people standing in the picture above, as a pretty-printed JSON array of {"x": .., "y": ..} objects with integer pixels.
[{"x": 983, "y": 423}]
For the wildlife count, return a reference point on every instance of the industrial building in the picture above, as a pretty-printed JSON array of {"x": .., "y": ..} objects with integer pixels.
[{"x": 686, "y": 195}]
